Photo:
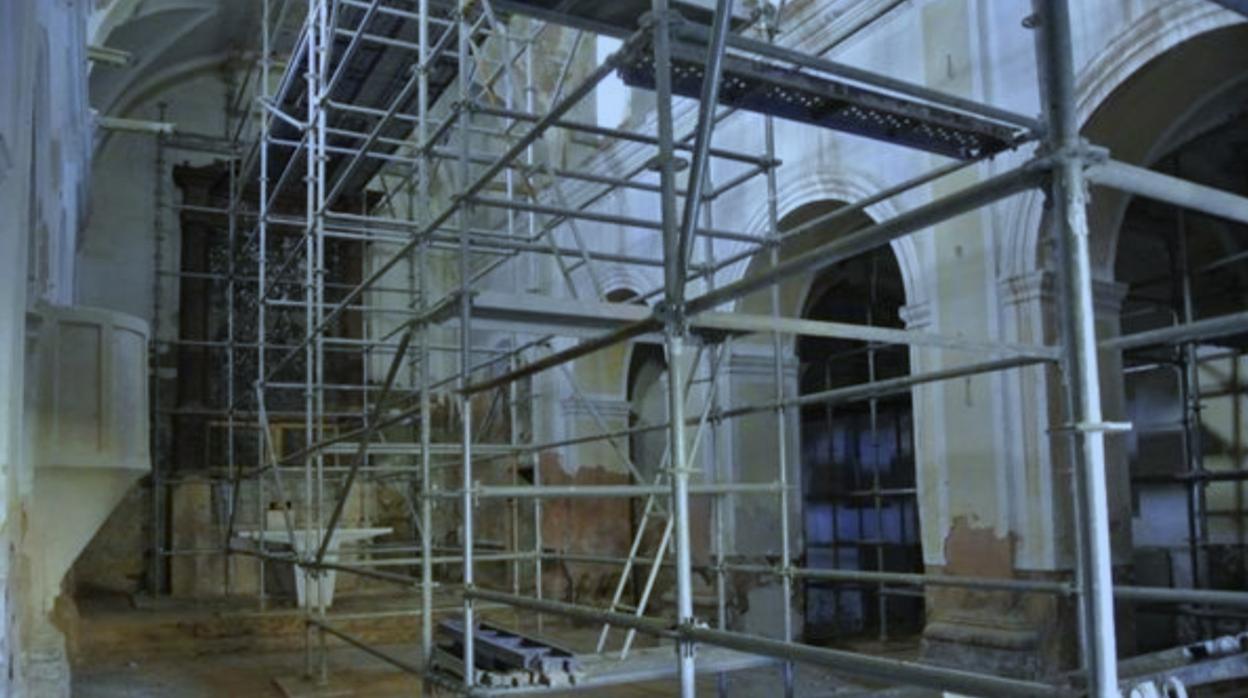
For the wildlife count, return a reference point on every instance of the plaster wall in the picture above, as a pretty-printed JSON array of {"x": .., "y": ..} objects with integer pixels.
[{"x": 45, "y": 138}]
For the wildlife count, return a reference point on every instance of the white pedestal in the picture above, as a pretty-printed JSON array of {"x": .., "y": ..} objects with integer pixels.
[{"x": 305, "y": 541}]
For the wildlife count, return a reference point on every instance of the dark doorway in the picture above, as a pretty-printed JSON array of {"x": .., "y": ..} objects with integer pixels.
[{"x": 860, "y": 508}]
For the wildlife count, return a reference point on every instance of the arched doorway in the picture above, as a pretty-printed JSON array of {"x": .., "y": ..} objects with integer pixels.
[
  {"x": 860, "y": 508},
  {"x": 1188, "y": 111},
  {"x": 1186, "y": 452},
  {"x": 647, "y": 399},
  {"x": 856, "y": 465}
]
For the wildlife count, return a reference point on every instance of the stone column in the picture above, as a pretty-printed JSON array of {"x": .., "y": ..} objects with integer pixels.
[
  {"x": 753, "y": 520},
  {"x": 1026, "y": 635}
]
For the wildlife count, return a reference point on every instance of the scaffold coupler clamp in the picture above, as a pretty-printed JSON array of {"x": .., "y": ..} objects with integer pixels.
[
  {"x": 649, "y": 19},
  {"x": 715, "y": 415},
  {"x": 1088, "y": 427},
  {"x": 1082, "y": 150},
  {"x": 689, "y": 647},
  {"x": 672, "y": 316}
]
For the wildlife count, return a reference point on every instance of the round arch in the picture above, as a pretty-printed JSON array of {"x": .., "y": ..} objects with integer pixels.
[
  {"x": 800, "y": 198},
  {"x": 852, "y": 448},
  {"x": 1166, "y": 43}
]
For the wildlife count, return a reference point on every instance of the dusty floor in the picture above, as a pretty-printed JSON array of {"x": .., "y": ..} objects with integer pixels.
[
  {"x": 202, "y": 651},
  {"x": 229, "y": 650},
  {"x": 244, "y": 675},
  {"x": 354, "y": 673},
  {"x": 359, "y": 676}
]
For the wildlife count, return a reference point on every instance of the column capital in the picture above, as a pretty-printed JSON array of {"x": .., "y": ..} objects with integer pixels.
[
  {"x": 1040, "y": 284},
  {"x": 758, "y": 362},
  {"x": 1027, "y": 287},
  {"x": 1107, "y": 296},
  {"x": 917, "y": 316}
]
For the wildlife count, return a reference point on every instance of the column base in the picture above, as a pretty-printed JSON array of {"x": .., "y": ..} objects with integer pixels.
[
  {"x": 985, "y": 642},
  {"x": 46, "y": 673}
]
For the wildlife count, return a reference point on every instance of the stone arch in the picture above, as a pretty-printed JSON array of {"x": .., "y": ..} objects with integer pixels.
[
  {"x": 618, "y": 278},
  {"x": 1111, "y": 90},
  {"x": 1154, "y": 35},
  {"x": 798, "y": 192}
]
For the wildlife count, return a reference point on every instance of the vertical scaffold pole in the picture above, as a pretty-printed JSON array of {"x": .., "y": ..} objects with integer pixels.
[
  {"x": 157, "y": 572},
  {"x": 777, "y": 347},
  {"x": 782, "y": 446},
  {"x": 426, "y": 470},
  {"x": 465, "y": 339},
  {"x": 309, "y": 300},
  {"x": 530, "y": 104},
  {"x": 1068, "y": 199},
  {"x": 230, "y": 338},
  {"x": 675, "y": 335},
  {"x": 719, "y": 463},
  {"x": 1197, "y": 509},
  {"x": 263, "y": 119},
  {"x": 324, "y": 46}
]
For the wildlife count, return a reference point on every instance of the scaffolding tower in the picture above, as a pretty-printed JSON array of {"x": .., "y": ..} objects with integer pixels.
[{"x": 435, "y": 102}]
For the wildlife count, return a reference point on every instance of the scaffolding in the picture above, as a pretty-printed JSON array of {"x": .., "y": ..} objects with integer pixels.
[{"x": 437, "y": 104}]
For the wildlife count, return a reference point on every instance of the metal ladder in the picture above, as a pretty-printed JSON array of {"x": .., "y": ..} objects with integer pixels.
[{"x": 649, "y": 511}]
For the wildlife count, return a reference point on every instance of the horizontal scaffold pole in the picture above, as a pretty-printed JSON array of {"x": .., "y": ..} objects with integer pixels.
[
  {"x": 892, "y": 671},
  {"x": 1170, "y": 189}
]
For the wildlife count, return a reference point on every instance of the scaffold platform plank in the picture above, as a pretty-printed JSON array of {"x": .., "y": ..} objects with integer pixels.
[
  {"x": 602, "y": 670},
  {"x": 373, "y": 76},
  {"x": 803, "y": 96}
]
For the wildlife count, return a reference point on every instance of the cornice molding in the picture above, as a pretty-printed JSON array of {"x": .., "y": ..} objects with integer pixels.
[{"x": 1041, "y": 284}]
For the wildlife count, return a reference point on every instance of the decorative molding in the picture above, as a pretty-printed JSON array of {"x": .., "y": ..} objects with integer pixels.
[
  {"x": 615, "y": 276},
  {"x": 758, "y": 364},
  {"x": 820, "y": 24},
  {"x": 1107, "y": 296},
  {"x": 917, "y": 316},
  {"x": 1153, "y": 33},
  {"x": 1041, "y": 285},
  {"x": 1027, "y": 287}
]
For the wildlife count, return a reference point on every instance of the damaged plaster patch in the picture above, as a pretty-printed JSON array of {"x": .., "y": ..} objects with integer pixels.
[
  {"x": 586, "y": 526},
  {"x": 978, "y": 551}
]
